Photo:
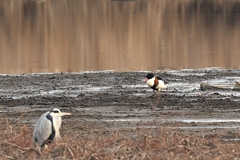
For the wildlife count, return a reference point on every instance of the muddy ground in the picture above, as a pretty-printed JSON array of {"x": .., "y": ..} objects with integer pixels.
[{"x": 102, "y": 102}]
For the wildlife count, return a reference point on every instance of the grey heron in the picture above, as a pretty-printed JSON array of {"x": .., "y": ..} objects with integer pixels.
[{"x": 47, "y": 127}]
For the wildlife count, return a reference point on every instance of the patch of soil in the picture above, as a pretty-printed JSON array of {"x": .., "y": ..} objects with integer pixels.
[{"x": 102, "y": 102}]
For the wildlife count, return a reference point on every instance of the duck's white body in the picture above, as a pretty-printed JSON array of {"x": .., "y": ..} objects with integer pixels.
[{"x": 156, "y": 84}]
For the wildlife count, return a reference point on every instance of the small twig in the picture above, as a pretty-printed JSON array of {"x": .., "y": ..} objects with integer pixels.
[
  {"x": 8, "y": 157},
  {"x": 70, "y": 149},
  {"x": 187, "y": 148},
  {"x": 23, "y": 149},
  {"x": 7, "y": 121}
]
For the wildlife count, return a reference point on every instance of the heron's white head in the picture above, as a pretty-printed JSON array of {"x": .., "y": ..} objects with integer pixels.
[{"x": 57, "y": 113}]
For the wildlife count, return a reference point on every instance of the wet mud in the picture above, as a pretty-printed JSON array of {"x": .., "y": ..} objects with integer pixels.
[{"x": 102, "y": 102}]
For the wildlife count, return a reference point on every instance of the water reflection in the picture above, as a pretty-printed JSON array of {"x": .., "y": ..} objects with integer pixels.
[{"x": 74, "y": 35}]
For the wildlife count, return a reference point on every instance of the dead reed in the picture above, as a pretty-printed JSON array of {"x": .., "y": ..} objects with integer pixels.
[{"x": 16, "y": 143}]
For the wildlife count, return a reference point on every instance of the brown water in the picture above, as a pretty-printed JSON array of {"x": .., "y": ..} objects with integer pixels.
[{"x": 80, "y": 35}]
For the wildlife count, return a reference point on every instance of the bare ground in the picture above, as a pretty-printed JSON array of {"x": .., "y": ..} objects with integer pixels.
[{"x": 106, "y": 102}]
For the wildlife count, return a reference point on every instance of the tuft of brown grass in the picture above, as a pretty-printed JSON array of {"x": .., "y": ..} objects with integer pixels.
[{"x": 16, "y": 143}]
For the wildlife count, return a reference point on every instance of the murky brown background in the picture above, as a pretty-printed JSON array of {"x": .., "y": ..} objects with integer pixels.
[{"x": 80, "y": 35}]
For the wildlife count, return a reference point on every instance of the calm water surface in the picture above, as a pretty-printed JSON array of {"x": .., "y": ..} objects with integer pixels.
[{"x": 87, "y": 35}]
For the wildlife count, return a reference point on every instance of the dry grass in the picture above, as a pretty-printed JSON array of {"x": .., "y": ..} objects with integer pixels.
[{"x": 16, "y": 143}]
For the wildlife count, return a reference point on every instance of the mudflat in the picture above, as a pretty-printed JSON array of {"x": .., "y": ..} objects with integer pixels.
[{"x": 102, "y": 102}]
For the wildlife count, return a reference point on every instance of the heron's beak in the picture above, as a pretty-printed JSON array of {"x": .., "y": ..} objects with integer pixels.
[
  {"x": 145, "y": 80},
  {"x": 65, "y": 114}
]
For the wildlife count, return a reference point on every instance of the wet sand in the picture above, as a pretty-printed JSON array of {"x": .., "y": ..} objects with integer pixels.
[{"x": 102, "y": 102}]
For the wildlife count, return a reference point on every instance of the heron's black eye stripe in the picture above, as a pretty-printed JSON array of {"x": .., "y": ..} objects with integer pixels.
[{"x": 55, "y": 111}]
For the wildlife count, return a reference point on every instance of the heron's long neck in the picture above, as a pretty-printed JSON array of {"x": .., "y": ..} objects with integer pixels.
[
  {"x": 57, "y": 135},
  {"x": 57, "y": 125}
]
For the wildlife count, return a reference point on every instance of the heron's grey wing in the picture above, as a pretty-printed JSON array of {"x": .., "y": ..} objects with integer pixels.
[{"x": 42, "y": 130}]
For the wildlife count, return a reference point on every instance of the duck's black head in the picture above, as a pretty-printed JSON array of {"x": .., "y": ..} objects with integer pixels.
[{"x": 149, "y": 75}]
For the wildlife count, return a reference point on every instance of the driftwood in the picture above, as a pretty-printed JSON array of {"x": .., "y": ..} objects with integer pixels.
[
  {"x": 205, "y": 86},
  {"x": 237, "y": 86}
]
